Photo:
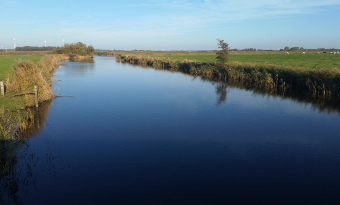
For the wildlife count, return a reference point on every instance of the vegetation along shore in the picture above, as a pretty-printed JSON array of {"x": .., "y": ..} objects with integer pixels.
[
  {"x": 318, "y": 74},
  {"x": 20, "y": 74}
]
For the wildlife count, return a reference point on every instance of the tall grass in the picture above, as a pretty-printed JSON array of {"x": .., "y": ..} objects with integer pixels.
[
  {"x": 7, "y": 63},
  {"x": 26, "y": 74}
]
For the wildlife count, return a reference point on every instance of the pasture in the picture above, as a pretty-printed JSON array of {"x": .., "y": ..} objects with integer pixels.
[
  {"x": 311, "y": 60},
  {"x": 7, "y": 62}
]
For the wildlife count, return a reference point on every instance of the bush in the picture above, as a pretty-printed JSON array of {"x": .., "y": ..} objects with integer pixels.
[{"x": 74, "y": 49}]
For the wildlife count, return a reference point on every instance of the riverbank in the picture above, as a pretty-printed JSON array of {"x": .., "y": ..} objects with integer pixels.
[
  {"x": 22, "y": 77},
  {"x": 310, "y": 60},
  {"x": 319, "y": 82}
]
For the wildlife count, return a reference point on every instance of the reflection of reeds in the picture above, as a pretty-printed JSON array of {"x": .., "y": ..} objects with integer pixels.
[
  {"x": 23, "y": 124},
  {"x": 17, "y": 166},
  {"x": 13, "y": 121},
  {"x": 38, "y": 120},
  {"x": 319, "y": 82}
]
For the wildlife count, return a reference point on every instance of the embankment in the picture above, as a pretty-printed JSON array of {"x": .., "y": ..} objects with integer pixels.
[
  {"x": 324, "y": 83},
  {"x": 26, "y": 75}
]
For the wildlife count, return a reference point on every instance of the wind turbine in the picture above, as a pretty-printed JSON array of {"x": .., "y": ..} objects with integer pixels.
[
  {"x": 45, "y": 43},
  {"x": 15, "y": 45},
  {"x": 63, "y": 43}
]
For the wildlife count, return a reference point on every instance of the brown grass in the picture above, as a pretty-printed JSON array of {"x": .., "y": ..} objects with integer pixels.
[{"x": 27, "y": 74}]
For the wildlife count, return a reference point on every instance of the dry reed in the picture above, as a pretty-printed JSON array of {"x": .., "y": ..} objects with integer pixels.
[{"x": 27, "y": 74}]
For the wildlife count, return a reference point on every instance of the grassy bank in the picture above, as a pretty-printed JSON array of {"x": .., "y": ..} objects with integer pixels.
[
  {"x": 311, "y": 60},
  {"x": 21, "y": 76},
  {"x": 7, "y": 63},
  {"x": 26, "y": 74},
  {"x": 323, "y": 81}
]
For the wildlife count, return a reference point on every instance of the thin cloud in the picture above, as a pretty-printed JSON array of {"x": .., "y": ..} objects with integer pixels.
[
  {"x": 186, "y": 15},
  {"x": 249, "y": 9}
]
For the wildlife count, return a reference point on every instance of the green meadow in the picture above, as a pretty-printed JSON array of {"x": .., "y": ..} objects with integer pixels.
[
  {"x": 7, "y": 62},
  {"x": 295, "y": 60}
]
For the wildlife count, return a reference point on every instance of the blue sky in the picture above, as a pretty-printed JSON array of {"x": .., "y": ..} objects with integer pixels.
[{"x": 170, "y": 24}]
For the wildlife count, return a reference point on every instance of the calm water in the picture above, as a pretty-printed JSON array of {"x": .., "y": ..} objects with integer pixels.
[{"x": 132, "y": 135}]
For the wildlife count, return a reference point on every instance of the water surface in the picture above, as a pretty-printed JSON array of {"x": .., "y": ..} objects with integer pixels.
[{"x": 133, "y": 135}]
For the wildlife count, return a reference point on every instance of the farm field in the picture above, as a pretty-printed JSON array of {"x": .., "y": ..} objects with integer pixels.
[{"x": 294, "y": 59}]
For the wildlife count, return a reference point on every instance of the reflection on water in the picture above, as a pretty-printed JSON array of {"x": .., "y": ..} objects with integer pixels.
[
  {"x": 328, "y": 105},
  {"x": 221, "y": 91},
  {"x": 40, "y": 115},
  {"x": 9, "y": 181},
  {"x": 133, "y": 135},
  {"x": 17, "y": 160},
  {"x": 79, "y": 68}
]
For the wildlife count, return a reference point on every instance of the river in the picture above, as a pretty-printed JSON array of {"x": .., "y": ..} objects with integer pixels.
[{"x": 133, "y": 135}]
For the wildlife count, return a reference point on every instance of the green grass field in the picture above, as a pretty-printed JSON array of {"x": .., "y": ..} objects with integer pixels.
[
  {"x": 296, "y": 60},
  {"x": 7, "y": 62}
]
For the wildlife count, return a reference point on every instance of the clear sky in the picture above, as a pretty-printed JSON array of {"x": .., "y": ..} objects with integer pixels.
[{"x": 171, "y": 24}]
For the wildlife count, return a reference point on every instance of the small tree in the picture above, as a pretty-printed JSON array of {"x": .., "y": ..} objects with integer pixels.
[{"x": 222, "y": 55}]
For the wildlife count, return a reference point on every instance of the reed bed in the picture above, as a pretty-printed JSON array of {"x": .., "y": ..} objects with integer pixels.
[
  {"x": 7, "y": 64},
  {"x": 27, "y": 74},
  {"x": 319, "y": 82},
  {"x": 14, "y": 117}
]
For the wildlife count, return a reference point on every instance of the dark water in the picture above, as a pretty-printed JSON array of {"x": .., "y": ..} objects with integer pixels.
[{"x": 133, "y": 135}]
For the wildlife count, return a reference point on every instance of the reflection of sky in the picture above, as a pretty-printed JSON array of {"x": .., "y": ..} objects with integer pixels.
[
  {"x": 172, "y": 100},
  {"x": 142, "y": 132}
]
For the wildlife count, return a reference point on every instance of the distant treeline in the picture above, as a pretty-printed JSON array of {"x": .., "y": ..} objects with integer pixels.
[{"x": 35, "y": 48}]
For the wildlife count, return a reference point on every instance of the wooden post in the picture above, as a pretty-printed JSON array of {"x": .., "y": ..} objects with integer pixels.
[
  {"x": 2, "y": 88},
  {"x": 36, "y": 95}
]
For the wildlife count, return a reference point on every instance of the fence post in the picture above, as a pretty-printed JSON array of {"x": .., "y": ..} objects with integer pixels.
[
  {"x": 2, "y": 88},
  {"x": 36, "y": 95}
]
